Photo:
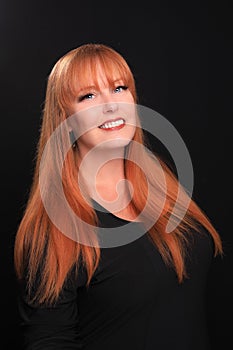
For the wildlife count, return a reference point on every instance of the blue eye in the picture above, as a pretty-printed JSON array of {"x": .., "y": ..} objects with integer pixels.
[
  {"x": 85, "y": 97},
  {"x": 120, "y": 88}
]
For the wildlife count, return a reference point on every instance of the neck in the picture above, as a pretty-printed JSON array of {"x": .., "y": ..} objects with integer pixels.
[{"x": 103, "y": 175}]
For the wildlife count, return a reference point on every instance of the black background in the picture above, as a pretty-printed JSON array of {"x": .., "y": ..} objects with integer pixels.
[{"x": 181, "y": 56}]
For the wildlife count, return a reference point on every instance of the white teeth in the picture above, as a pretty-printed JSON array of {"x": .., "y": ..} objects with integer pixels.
[{"x": 112, "y": 124}]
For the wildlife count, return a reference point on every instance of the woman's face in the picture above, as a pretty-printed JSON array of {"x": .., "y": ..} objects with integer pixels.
[{"x": 103, "y": 113}]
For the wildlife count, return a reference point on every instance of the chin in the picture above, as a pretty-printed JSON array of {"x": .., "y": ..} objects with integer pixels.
[{"x": 115, "y": 143}]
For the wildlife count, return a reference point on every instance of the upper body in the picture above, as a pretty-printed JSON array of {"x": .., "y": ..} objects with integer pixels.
[
  {"x": 140, "y": 286},
  {"x": 134, "y": 302}
]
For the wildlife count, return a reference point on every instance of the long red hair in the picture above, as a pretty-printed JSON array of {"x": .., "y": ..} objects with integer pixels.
[{"x": 40, "y": 248}]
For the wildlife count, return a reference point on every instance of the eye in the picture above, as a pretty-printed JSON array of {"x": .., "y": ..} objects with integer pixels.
[
  {"x": 120, "y": 88},
  {"x": 88, "y": 96}
]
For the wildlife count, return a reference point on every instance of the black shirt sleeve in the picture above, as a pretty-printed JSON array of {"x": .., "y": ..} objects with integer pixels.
[{"x": 50, "y": 327}]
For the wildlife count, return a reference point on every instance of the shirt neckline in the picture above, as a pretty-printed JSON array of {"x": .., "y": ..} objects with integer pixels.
[{"x": 106, "y": 211}]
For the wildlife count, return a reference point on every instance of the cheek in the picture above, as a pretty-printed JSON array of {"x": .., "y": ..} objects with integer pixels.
[
  {"x": 131, "y": 98},
  {"x": 85, "y": 120},
  {"x": 129, "y": 110}
]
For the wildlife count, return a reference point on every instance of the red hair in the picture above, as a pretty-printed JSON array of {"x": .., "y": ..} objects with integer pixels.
[{"x": 39, "y": 246}]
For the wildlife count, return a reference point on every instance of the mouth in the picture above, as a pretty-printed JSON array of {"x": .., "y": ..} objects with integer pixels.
[{"x": 113, "y": 124}]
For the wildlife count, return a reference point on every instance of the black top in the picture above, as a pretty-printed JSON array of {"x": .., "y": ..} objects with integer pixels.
[{"x": 134, "y": 302}]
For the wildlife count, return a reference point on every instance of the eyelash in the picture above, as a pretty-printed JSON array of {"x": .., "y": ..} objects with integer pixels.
[
  {"x": 84, "y": 97},
  {"x": 123, "y": 87}
]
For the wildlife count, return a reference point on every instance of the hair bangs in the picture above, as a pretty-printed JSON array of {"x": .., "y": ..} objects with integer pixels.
[{"x": 85, "y": 71}]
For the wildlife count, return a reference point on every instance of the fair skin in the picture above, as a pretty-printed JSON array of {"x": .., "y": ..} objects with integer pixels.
[{"x": 101, "y": 144}]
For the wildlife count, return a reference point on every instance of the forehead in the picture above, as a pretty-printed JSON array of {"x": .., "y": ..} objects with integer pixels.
[
  {"x": 101, "y": 79},
  {"x": 99, "y": 76},
  {"x": 106, "y": 76}
]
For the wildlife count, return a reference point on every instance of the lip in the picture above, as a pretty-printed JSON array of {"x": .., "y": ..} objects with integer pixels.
[{"x": 111, "y": 120}]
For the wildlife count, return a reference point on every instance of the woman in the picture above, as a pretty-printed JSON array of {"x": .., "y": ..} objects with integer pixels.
[{"x": 80, "y": 289}]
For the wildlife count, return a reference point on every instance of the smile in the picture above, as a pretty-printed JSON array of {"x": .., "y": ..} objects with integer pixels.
[{"x": 113, "y": 125}]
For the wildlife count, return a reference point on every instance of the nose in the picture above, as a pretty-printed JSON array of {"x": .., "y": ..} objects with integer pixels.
[{"x": 110, "y": 107}]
